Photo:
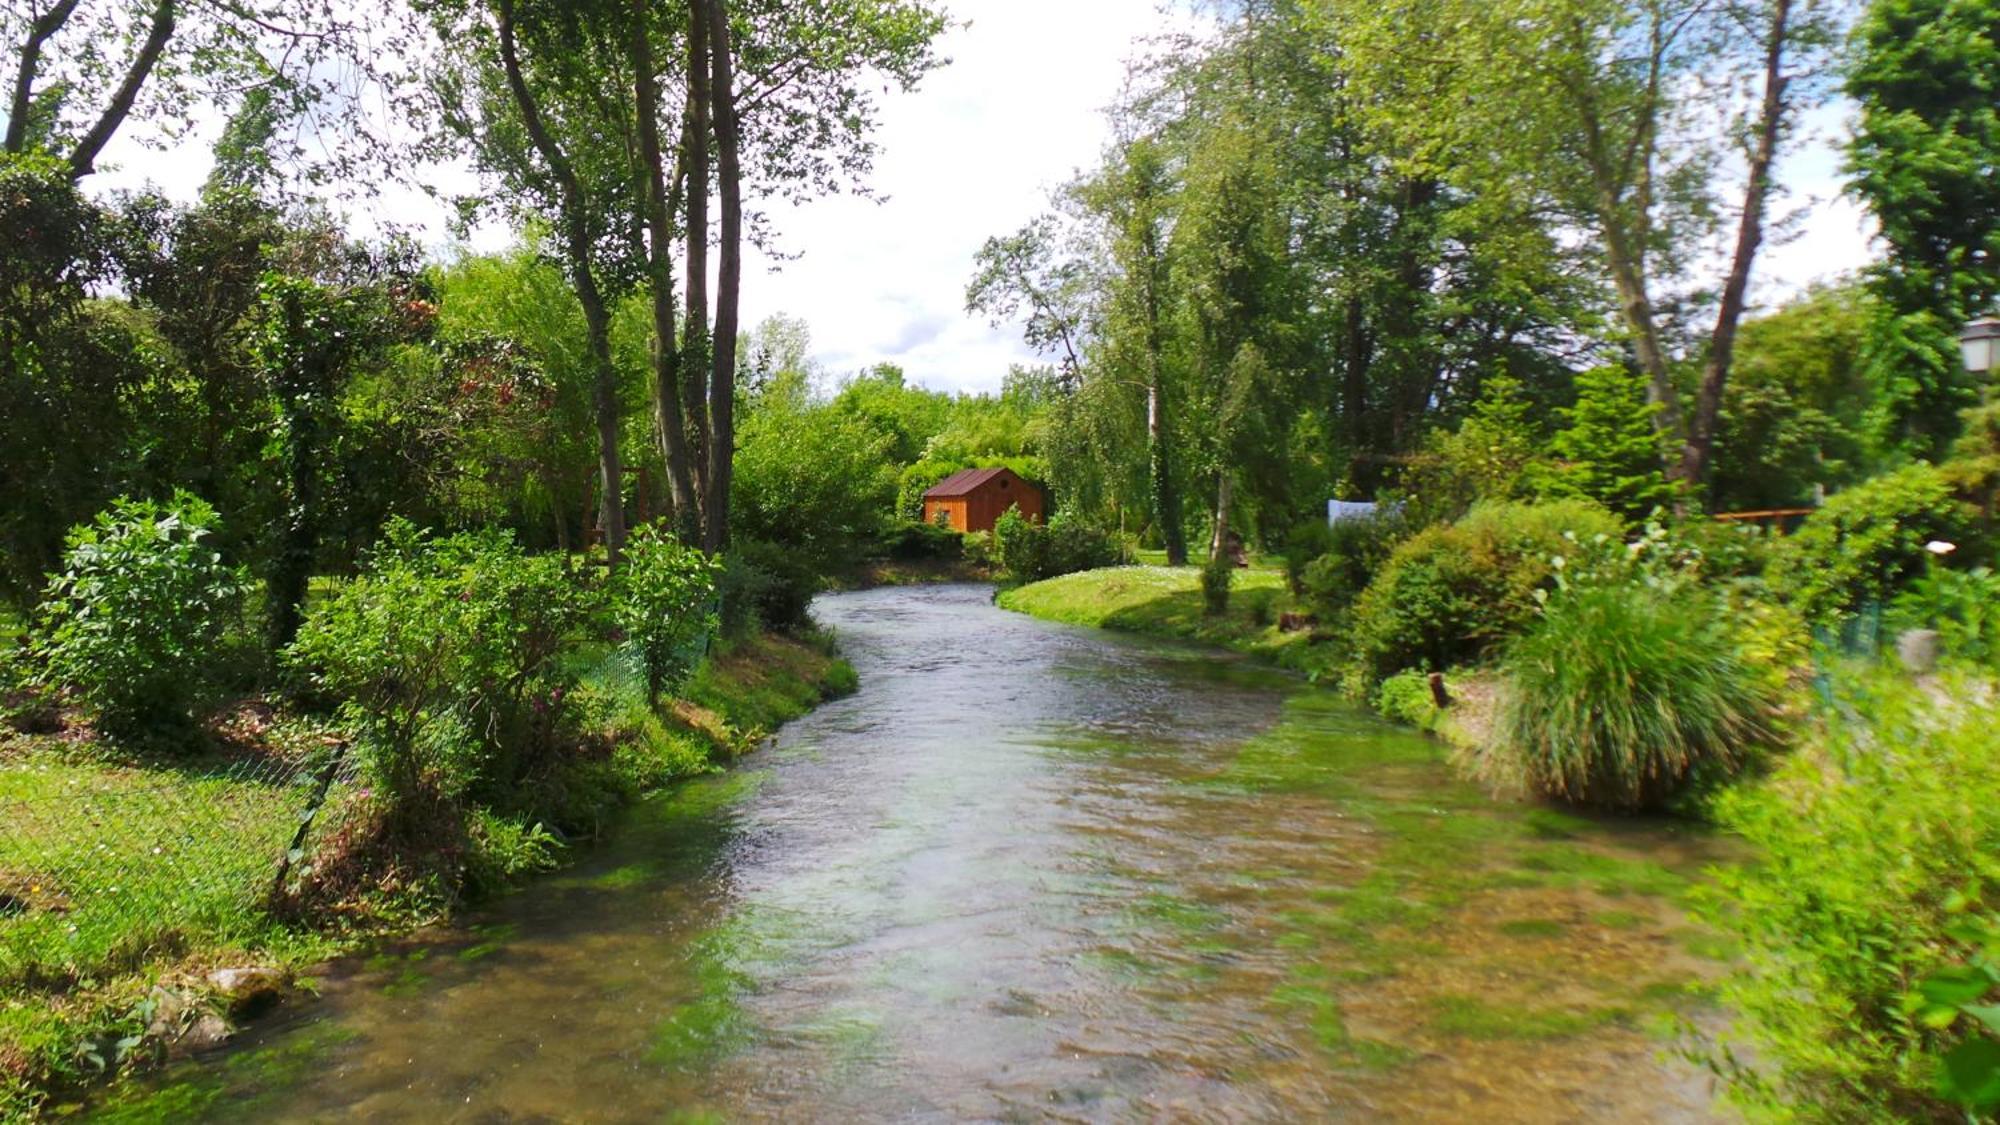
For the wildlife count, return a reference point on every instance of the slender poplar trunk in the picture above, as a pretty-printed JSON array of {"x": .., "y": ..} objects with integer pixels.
[
  {"x": 597, "y": 316},
  {"x": 729, "y": 279},
  {"x": 669, "y": 421},
  {"x": 695, "y": 342}
]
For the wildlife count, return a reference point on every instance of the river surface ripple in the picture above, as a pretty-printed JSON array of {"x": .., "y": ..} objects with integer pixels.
[{"x": 1026, "y": 872}]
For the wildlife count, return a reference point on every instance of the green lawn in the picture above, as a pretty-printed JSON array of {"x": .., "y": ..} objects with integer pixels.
[{"x": 1166, "y": 601}]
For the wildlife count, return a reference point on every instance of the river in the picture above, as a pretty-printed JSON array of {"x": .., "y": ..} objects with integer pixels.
[{"x": 1036, "y": 872}]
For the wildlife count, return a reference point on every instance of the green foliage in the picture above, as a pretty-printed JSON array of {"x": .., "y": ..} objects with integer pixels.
[
  {"x": 1633, "y": 685},
  {"x": 1304, "y": 543},
  {"x": 1450, "y": 593},
  {"x": 663, "y": 600},
  {"x": 1925, "y": 74},
  {"x": 1406, "y": 697},
  {"x": 1609, "y": 450},
  {"x": 1877, "y": 852},
  {"x": 1355, "y": 549},
  {"x": 914, "y": 541},
  {"x": 1795, "y": 413},
  {"x": 444, "y": 656},
  {"x": 1964, "y": 996},
  {"x": 135, "y": 622},
  {"x": 1030, "y": 552},
  {"x": 1867, "y": 543},
  {"x": 814, "y": 479},
  {"x": 766, "y": 584},
  {"x": 1496, "y": 453},
  {"x": 1962, "y": 605},
  {"x": 504, "y": 850},
  {"x": 1216, "y": 575}
]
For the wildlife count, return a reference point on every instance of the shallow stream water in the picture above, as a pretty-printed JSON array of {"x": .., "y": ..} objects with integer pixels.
[{"x": 1032, "y": 872}]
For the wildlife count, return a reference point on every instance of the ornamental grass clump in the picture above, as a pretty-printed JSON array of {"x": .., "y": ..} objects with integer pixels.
[{"x": 1628, "y": 690}]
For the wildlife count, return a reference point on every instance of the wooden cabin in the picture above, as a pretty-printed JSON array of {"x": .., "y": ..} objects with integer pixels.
[{"x": 975, "y": 499}]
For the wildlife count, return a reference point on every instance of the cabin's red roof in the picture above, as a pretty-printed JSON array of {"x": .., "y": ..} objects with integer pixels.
[{"x": 964, "y": 482}]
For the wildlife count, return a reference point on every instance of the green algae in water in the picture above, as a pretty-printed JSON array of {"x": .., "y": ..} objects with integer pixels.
[
  {"x": 242, "y": 1086},
  {"x": 1469, "y": 1017},
  {"x": 1533, "y": 928}
]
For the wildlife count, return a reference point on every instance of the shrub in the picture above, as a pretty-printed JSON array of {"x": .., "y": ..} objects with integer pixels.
[
  {"x": 1867, "y": 543},
  {"x": 766, "y": 584},
  {"x": 664, "y": 603},
  {"x": 1216, "y": 576},
  {"x": 1355, "y": 550},
  {"x": 134, "y": 622},
  {"x": 1877, "y": 843},
  {"x": 1962, "y": 605},
  {"x": 1625, "y": 692},
  {"x": 1406, "y": 697},
  {"x": 502, "y": 850},
  {"x": 814, "y": 479},
  {"x": 915, "y": 541},
  {"x": 1609, "y": 448},
  {"x": 443, "y": 657},
  {"x": 1304, "y": 544},
  {"x": 1029, "y": 552},
  {"x": 1447, "y": 595}
]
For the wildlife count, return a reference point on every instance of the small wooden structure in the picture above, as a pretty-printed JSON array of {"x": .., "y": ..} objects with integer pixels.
[
  {"x": 1784, "y": 521},
  {"x": 975, "y": 499}
]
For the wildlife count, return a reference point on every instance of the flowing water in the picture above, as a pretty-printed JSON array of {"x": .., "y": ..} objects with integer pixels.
[{"x": 1032, "y": 872}]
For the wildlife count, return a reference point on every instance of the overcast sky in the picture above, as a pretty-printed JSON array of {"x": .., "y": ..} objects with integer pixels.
[{"x": 974, "y": 152}]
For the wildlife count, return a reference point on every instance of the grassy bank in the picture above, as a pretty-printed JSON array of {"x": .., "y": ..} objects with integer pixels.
[
  {"x": 125, "y": 883},
  {"x": 1163, "y": 601}
]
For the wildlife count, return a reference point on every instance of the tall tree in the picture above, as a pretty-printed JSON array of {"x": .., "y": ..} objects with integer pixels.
[
  {"x": 1926, "y": 74},
  {"x": 1793, "y": 36},
  {"x": 1131, "y": 198}
]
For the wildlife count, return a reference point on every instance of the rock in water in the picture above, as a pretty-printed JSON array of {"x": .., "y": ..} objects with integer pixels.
[{"x": 248, "y": 991}]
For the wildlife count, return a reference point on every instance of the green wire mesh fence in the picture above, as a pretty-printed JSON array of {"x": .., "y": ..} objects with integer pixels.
[{"x": 102, "y": 866}]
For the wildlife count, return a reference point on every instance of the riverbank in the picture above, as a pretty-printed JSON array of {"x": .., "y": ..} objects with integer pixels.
[
  {"x": 98, "y": 975},
  {"x": 1144, "y": 883},
  {"x": 1164, "y": 601}
]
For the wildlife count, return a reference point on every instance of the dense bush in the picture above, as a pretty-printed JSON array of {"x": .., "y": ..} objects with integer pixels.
[
  {"x": 812, "y": 479},
  {"x": 134, "y": 623},
  {"x": 1628, "y": 689},
  {"x": 1447, "y": 595},
  {"x": 1878, "y": 852},
  {"x": 1303, "y": 544},
  {"x": 1406, "y": 697},
  {"x": 664, "y": 603},
  {"x": 766, "y": 584},
  {"x": 1867, "y": 543},
  {"x": 444, "y": 657},
  {"x": 1355, "y": 549},
  {"x": 1962, "y": 605},
  {"x": 1029, "y": 552},
  {"x": 915, "y": 541}
]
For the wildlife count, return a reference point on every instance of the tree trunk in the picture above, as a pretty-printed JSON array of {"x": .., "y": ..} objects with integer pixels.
[
  {"x": 1700, "y": 447},
  {"x": 1159, "y": 431},
  {"x": 669, "y": 421},
  {"x": 695, "y": 345},
  {"x": 1225, "y": 494},
  {"x": 597, "y": 317},
  {"x": 729, "y": 280}
]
